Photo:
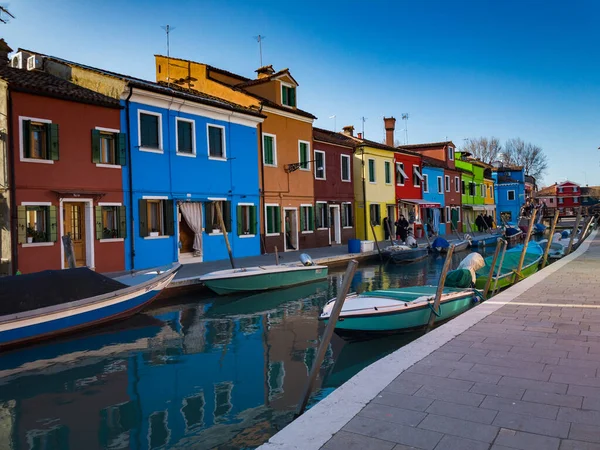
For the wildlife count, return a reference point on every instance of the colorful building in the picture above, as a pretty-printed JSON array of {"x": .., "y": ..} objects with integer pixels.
[
  {"x": 473, "y": 189},
  {"x": 510, "y": 193},
  {"x": 334, "y": 190},
  {"x": 568, "y": 196},
  {"x": 433, "y": 193}
]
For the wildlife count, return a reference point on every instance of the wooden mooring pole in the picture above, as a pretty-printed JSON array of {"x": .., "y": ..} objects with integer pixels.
[
  {"x": 435, "y": 310},
  {"x": 224, "y": 231},
  {"x": 326, "y": 338},
  {"x": 527, "y": 237},
  {"x": 390, "y": 232},
  {"x": 376, "y": 242},
  {"x": 574, "y": 232},
  {"x": 549, "y": 244},
  {"x": 491, "y": 274},
  {"x": 276, "y": 256},
  {"x": 69, "y": 251},
  {"x": 499, "y": 271},
  {"x": 584, "y": 231},
  {"x": 456, "y": 231}
]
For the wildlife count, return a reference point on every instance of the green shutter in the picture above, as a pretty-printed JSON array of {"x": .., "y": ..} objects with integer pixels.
[
  {"x": 121, "y": 148},
  {"x": 169, "y": 213},
  {"x": 387, "y": 172},
  {"x": 371, "y": 171},
  {"x": 227, "y": 215},
  {"x": 53, "y": 141},
  {"x": 22, "y": 224},
  {"x": 52, "y": 231},
  {"x": 240, "y": 222},
  {"x": 27, "y": 138},
  {"x": 99, "y": 227},
  {"x": 95, "y": 146},
  {"x": 149, "y": 130},
  {"x": 268, "y": 150},
  {"x": 122, "y": 221},
  {"x": 302, "y": 210},
  {"x": 215, "y": 142},
  {"x": 292, "y": 97},
  {"x": 311, "y": 218},
  {"x": 208, "y": 217},
  {"x": 284, "y": 94},
  {"x": 277, "y": 219},
  {"x": 143, "y": 217},
  {"x": 253, "y": 220}
]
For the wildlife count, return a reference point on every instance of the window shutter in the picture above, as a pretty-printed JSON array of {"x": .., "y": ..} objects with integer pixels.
[
  {"x": 208, "y": 207},
  {"x": 53, "y": 141},
  {"x": 284, "y": 94},
  {"x": 143, "y": 217},
  {"x": 277, "y": 219},
  {"x": 253, "y": 220},
  {"x": 121, "y": 150},
  {"x": 240, "y": 222},
  {"x": 292, "y": 96},
  {"x": 302, "y": 218},
  {"x": 268, "y": 150},
  {"x": 52, "y": 231},
  {"x": 215, "y": 141},
  {"x": 95, "y": 146},
  {"x": 99, "y": 227},
  {"x": 26, "y": 138},
  {"x": 169, "y": 212},
  {"x": 227, "y": 215},
  {"x": 21, "y": 224},
  {"x": 311, "y": 218},
  {"x": 122, "y": 221}
]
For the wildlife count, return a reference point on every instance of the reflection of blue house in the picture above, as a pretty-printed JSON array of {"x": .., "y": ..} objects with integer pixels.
[
  {"x": 509, "y": 189},
  {"x": 433, "y": 193}
]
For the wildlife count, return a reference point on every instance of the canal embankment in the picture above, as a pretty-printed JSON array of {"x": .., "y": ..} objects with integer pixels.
[{"x": 518, "y": 371}]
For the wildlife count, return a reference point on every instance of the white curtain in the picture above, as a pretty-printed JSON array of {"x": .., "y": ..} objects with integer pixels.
[
  {"x": 192, "y": 213},
  {"x": 436, "y": 220}
]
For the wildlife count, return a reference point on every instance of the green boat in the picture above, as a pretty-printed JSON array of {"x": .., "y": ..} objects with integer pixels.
[
  {"x": 510, "y": 263},
  {"x": 400, "y": 309}
]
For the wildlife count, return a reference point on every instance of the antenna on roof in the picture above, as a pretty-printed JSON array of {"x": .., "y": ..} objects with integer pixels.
[
  {"x": 259, "y": 39},
  {"x": 7, "y": 12},
  {"x": 168, "y": 30},
  {"x": 363, "y": 119},
  {"x": 405, "y": 118}
]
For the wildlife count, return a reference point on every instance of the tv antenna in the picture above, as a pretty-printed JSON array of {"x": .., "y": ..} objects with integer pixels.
[
  {"x": 363, "y": 120},
  {"x": 168, "y": 29},
  {"x": 259, "y": 39},
  {"x": 405, "y": 118},
  {"x": 5, "y": 11}
]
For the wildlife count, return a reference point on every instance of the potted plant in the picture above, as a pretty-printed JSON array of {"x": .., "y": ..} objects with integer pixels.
[
  {"x": 154, "y": 232},
  {"x": 30, "y": 234}
]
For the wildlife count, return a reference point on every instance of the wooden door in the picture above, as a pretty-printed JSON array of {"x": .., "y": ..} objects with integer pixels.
[{"x": 74, "y": 226}]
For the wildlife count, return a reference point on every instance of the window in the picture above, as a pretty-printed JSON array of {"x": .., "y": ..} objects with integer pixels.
[
  {"x": 150, "y": 131},
  {"x": 157, "y": 217},
  {"x": 375, "y": 213},
  {"x": 560, "y": 200},
  {"x": 371, "y": 171},
  {"x": 491, "y": 192},
  {"x": 36, "y": 224},
  {"x": 511, "y": 195},
  {"x": 447, "y": 183},
  {"x": 39, "y": 140},
  {"x": 275, "y": 378},
  {"x": 400, "y": 174},
  {"x": 319, "y": 165},
  {"x": 439, "y": 185},
  {"x": 273, "y": 219},
  {"x": 212, "y": 222},
  {"x": 457, "y": 184},
  {"x": 347, "y": 221},
  {"x": 108, "y": 147},
  {"x": 482, "y": 188},
  {"x": 464, "y": 190},
  {"x": 186, "y": 142},
  {"x": 345, "y": 167},
  {"x": 417, "y": 177},
  {"x": 472, "y": 187},
  {"x": 322, "y": 215},
  {"x": 560, "y": 190},
  {"x": 304, "y": 155},
  {"x": 216, "y": 142},
  {"x": 450, "y": 153},
  {"x": 193, "y": 410},
  {"x": 448, "y": 214},
  {"x": 388, "y": 172},
  {"x": 575, "y": 199},
  {"x": 307, "y": 219},
  {"x": 288, "y": 95},
  {"x": 574, "y": 188},
  {"x": 269, "y": 150},
  {"x": 246, "y": 220},
  {"x": 442, "y": 215},
  {"x": 425, "y": 183},
  {"x": 111, "y": 222},
  {"x": 551, "y": 200}
]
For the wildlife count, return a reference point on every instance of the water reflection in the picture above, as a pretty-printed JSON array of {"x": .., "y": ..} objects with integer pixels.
[{"x": 196, "y": 373}]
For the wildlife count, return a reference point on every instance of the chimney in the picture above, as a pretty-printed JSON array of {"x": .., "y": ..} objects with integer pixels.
[
  {"x": 359, "y": 135},
  {"x": 348, "y": 130},
  {"x": 390, "y": 126},
  {"x": 265, "y": 71},
  {"x": 4, "y": 51}
]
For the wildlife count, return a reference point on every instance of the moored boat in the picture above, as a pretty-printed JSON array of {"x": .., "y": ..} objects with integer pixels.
[
  {"x": 486, "y": 241},
  {"x": 403, "y": 254},
  {"x": 513, "y": 235},
  {"x": 557, "y": 249},
  {"x": 54, "y": 302},
  {"x": 441, "y": 245}
]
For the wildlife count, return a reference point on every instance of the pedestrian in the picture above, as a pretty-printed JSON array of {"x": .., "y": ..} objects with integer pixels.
[
  {"x": 402, "y": 228},
  {"x": 288, "y": 233},
  {"x": 479, "y": 223},
  {"x": 489, "y": 221},
  {"x": 386, "y": 228}
]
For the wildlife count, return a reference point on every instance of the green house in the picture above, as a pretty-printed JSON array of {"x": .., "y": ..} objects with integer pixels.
[{"x": 473, "y": 188}]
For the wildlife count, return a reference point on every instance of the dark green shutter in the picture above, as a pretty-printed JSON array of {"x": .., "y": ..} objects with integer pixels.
[
  {"x": 27, "y": 138},
  {"x": 240, "y": 222},
  {"x": 143, "y": 217},
  {"x": 52, "y": 231},
  {"x": 184, "y": 136},
  {"x": 284, "y": 93},
  {"x": 277, "y": 219},
  {"x": 253, "y": 220},
  {"x": 371, "y": 170},
  {"x": 227, "y": 215},
  {"x": 121, "y": 148},
  {"x": 311, "y": 218},
  {"x": 149, "y": 130},
  {"x": 292, "y": 96},
  {"x": 53, "y": 141},
  {"x": 21, "y": 224},
  {"x": 215, "y": 141},
  {"x": 169, "y": 212},
  {"x": 268, "y": 150},
  {"x": 208, "y": 217},
  {"x": 122, "y": 221},
  {"x": 302, "y": 220},
  {"x": 99, "y": 227},
  {"x": 95, "y": 146}
]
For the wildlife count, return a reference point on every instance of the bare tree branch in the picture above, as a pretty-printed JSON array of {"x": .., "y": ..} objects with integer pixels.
[
  {"x": 483, "y": 148},
  {"x": 530, "y": 156}
]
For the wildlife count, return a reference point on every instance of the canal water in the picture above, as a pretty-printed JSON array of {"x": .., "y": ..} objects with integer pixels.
[{"x": 196, "y": 372}]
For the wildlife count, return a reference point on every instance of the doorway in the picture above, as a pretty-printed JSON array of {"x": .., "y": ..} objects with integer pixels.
[
  {"x": 290, "y": 239},
  {"x": 74, "y": 225},
  {"x": 335, "y": 231},
  {"x": 189, "y": 216}
]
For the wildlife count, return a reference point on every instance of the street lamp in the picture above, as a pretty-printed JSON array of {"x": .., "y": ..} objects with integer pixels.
[{"x": 289, "y": 168}]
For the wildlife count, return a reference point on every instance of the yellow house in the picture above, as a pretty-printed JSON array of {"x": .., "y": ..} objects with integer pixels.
[
  {"x": 488, "y": 198},
  {"x": 373, "y": 181}
]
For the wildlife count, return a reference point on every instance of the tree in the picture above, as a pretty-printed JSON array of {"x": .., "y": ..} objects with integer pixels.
[
  {"x": 484, "y": 149},
  {"x": 531, "y": 157}
]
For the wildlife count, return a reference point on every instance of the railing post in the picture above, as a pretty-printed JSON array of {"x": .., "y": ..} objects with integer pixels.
[
  {"x": 527, "y": 237},
  {"x": 554, "y": 222},
  {"x": 574, "y": 232}
]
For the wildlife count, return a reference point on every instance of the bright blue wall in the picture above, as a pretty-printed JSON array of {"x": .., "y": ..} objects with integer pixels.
[
  {"x": 501, "y": 193},
  {"x": 433, "y": 195}
]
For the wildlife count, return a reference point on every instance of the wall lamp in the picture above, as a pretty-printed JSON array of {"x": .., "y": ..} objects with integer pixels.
[{"x": 289, "y": 168}]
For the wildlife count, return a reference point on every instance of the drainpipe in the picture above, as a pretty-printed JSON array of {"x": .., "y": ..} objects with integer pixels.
[
  {"x": 262, "y": 181},
  {"x": 364, "y": 188},
  {"x": 130, "y": 173},
  {"x": 12, "y": 190}
]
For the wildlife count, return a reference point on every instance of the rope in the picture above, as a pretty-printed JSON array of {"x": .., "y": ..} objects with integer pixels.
[
  {"x": 433, "y": 310},
  {"x": 478, "y": 296}
]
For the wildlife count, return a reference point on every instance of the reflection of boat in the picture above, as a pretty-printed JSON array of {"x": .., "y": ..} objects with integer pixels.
[
  {"x": 400, "y": 254},
  {"x": 486, "y": 241},
  {"x": 510, "y": 263},
  {"x": 45, "y": 304},
  {"x": 398, "y": 309},
  {"x": 441, "y": 245},
  {"x": 264, "y": 301}
]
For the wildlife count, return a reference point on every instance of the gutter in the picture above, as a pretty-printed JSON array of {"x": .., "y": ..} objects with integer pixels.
[
  {"x": 130, "y": 174},
  {"x": 262, "y": 182},
  {"x": 364, "y": 186},
  {"x": 12, "y": 190}
]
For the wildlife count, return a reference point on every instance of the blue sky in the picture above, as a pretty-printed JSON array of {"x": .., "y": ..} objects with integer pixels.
[{"x": 461, "y": 69}]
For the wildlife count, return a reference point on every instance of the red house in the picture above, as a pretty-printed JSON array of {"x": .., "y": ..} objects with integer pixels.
[
  {"x": 334, "y": 191},
  {"x": 67, "y": 157},
  {"x": 568, "y": 197}
]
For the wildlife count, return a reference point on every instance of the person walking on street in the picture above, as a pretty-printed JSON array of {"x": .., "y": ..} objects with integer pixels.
[
  {"x": 479, "y": 223},
  {"x": 402, "y": 228}
]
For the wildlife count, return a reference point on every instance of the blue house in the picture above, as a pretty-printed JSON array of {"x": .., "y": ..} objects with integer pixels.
[
  {"x": 433, "y": 195},
  {"x": 509, "y": 188}
]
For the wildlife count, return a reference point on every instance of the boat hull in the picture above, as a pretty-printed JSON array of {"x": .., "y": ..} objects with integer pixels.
[
  {"x": 464, "y": 245},
  {"x": 408, "y": 256},
  {"x": 487, "y": 241},
  {"x": 510, "y": 278}
]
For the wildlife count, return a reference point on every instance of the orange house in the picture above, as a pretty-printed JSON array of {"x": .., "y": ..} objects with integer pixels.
[{"x": 288, "y": 219}]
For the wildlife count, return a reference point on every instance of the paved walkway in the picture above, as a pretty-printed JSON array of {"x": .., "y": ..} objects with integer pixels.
[{"x": 520, "y": 371}]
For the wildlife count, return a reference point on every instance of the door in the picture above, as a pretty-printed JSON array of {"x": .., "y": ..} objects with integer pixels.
[
  {"x": 74, "y": 226},
  {"x": 335, "y": 231},
  {"x": 291, "y": 230}
]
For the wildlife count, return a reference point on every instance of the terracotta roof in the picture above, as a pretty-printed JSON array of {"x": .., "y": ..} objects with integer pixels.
[
  {"x": 333, "y": 137},
  {"x": 216, "y": 69},
  {"x": 41, "y": 83},
  {"x": 265, "y": 79},
  {"x": 428, "y": 161},
  {"x": 547, "y": 191},
  {"x": 591, "y": 191},
  {"x": 426, "y": 145},
  {"x": 381, "y": 146}
]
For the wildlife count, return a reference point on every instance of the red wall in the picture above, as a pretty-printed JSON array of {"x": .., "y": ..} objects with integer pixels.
[
  {"x": 73, "y": 171},
  {"x": 568, "y": 191},
  {"x": 453, "y": 197},
  {"x": 439, "y": 153},
  {"x": 408, "y": 191}
]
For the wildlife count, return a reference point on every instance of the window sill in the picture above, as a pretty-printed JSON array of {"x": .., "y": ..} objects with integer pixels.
[
  {"x": 38, "y": 161},
  {"x": 215, "y": 233},
  {"x": 322, "y": 179},
  {"x": 346, "y": 181},
  {"x": 185, "y": 154},
  {"x": 272, "y": 234},
  {"x": 307, "y": 232},
  {"x": 270, "y": 165},
  {"x": 347, "y": 228},
  {"x": 372, "y": 182},
  {"x": 217, "y": 158},
  {"x": 156, "y": 237},
  {"x": 151, "y": 150},
  {"x": 245, "y": 236},
  {"x": 116, "y": 239},
  {"x": 108, "y": 166},
  {"x": 322, "y": 228},
  {"x": 38, "y": 244},
  {"x": 305, "y": 170},
  {"x": 399, "y": 184}
]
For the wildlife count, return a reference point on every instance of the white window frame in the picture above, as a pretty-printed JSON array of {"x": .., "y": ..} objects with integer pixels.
[
  {"x": 561, "y": 200},
  {"x": 403, "y": 173},
  {"x": 349, "y": 180},
  {"x": 177, "y": 152},
  {"x": 307, "y": 169},
  {"x": 109, "y": 166},
  {"x": 223, "y": 138},
  {"x": 289, "y": 85},
  {"x": 324, "y": 165},
  {"x": 342, "y": 212},
  {"x": 374, "y": 171},
  {"x": 160, "y": 148},
  {"x": 274, "y": 149},
  {"x": 417, "y": 174},
  {"x": 110, "y": 239},
  {"x": 307, "y": 205},
  {"x": 448, "y": 214},
  {"x": 425, "y": 183},
  {"x": 266, "y": 220},
  {"x": 22, "y": 150},
  {"x": 38, "y": 244},
  {"x": 440, "y": 185},
  {"x": 459, "y": 216},
  {"x": 388, "y": 164},
  {"x": 457, "y": 184},
  {"x": 244, "y": 236},
  {"x": 492, "y": 192},
  {"x": 447, "y": 182},
  {"x": 508, "y": 195},
  {"x": 315, "y": 215},
  {"x": 450, "y": 153},
  {"x": 560, "y": 190}
]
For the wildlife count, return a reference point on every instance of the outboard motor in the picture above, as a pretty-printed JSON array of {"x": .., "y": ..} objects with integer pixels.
[{"x": 306, "y": 260}]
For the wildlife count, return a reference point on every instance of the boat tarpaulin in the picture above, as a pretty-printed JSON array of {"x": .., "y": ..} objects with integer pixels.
[{"x": 422, "y": 203}]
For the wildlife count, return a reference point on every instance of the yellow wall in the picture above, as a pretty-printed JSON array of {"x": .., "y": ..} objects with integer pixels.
[{"x": 489, "y": 185}]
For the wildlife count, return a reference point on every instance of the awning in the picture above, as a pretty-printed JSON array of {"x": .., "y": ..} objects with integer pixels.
[
  {"x": 475, "y": 207},
  {"x": 421, "y": 203},
  {"x": 79, "y": 193},
  {"x": 490, "y": 207},
  {"x": 400, "y": 170},
  {"x": 417, "y": 173}
]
